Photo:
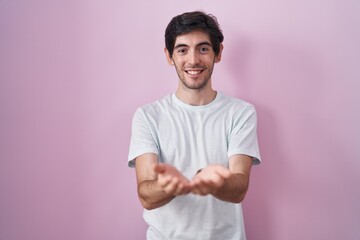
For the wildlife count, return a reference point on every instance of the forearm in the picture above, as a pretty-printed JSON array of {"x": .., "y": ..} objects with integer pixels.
[
  {"x": 152, "y": 196},
  {"x": 234, "y": 188}
]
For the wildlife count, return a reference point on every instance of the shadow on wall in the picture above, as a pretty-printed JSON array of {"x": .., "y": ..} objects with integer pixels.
[
  {"x": 266, "y": 179},
  {"x": 272, "y": 76}
]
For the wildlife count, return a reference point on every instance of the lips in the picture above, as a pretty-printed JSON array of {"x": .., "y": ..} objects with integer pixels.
[{"x": 194, "y": 72}]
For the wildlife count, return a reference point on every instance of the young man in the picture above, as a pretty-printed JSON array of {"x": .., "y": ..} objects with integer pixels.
[{"x": 193, "y": 150}]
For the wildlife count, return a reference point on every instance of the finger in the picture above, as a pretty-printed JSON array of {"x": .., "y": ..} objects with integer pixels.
[
  {"x": 172, "y": 185},
  {"x": 200, "y": 187},
  {"x": 160, "y": 168},
  {"x": 196, "y": 190},
  {"x": 164, "y": 181},
  {"x": 207, "y": 186},
  {"x": 182, "y": 189},
  {"x": 202, "y": 191},
  {"x": 179, "y": 189},
  {"x": 217, "y": 181},
  {"x": 223, "y": 172}
]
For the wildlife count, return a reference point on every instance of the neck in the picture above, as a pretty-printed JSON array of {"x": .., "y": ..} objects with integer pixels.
[{"x": 195, "y": 97}]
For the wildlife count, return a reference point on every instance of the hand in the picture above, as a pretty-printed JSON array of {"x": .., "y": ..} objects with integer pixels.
[
  {"x": 209, "y": 180},
  {"x": 171, "y": 180}
]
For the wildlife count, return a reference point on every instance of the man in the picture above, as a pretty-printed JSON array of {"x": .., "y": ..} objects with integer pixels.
[{"x": 193, "y": 150}]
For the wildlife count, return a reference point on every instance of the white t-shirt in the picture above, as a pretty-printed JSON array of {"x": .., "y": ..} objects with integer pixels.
[{"x": 189, "y": 138}]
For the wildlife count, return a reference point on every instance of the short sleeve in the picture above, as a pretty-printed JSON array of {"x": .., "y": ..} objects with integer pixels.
[
  {"x": 243, "y": 134},
  {"x": 142, "y": 139}
]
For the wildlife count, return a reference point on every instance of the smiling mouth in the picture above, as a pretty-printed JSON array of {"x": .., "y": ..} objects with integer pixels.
[{"x": 194, "y": 72}]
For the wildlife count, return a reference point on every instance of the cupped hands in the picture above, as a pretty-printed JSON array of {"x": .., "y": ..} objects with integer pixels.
[{"x": 208, "y": 181}]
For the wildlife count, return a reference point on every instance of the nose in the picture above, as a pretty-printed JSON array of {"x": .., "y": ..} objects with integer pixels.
[{"x": 193, "y": 58}]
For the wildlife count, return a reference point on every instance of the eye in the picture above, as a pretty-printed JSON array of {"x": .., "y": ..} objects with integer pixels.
[
  {"x": 181, "y": 50},
  {"x": 204, "y": 49}
]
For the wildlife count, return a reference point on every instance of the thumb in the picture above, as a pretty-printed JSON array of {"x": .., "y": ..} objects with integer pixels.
[
  {"x": 223, "y": 172},
  {"x": 159, "y": 168}
]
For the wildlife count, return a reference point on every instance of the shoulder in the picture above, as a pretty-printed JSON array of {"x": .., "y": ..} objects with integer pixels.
[
  {"x": 237, "y": 105},
  {"x": 155, "y": 107},
  {"x": 165, "y": 101}
]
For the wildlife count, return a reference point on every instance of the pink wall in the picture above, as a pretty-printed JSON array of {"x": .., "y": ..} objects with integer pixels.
[{"x": 73, "y": 72}]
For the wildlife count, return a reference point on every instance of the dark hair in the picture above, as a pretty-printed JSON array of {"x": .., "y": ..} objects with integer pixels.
[{"x": 192, "y": 21}]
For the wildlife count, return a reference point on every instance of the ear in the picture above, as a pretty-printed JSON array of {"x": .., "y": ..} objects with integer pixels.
[
  {"x": 168, "y": 57},
  {"x": 218, "y": 57}
]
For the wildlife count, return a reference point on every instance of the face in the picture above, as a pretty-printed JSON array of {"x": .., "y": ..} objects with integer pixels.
[{"x": 194, "y": 59}]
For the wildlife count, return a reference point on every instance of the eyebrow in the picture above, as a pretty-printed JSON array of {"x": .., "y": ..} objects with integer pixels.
[{"x": 197, "y": 45}]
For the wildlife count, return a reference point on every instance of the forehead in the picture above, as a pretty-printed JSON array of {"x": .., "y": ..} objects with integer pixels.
[{"x": 192, "y": 38}]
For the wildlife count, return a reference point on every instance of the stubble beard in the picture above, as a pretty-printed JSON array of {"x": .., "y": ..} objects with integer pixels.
[{"x": 194, "y": 86}]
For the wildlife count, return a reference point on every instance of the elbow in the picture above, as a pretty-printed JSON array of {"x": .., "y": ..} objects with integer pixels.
[
  {"x": 146, "y": 205},
  {"x": 150, "y": 205},
  {"x": 235, "y": 199},
  {"x": 240, "y": 198},
  {"x": 241, "y": 195}
]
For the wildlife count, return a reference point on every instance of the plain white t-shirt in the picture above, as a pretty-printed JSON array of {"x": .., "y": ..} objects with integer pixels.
[{"x": 190, "y": 138}]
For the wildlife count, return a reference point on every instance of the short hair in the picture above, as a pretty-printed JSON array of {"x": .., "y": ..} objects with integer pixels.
[{"x": 193, "y": 21}]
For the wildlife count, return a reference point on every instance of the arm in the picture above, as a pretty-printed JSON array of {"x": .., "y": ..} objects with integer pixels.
[
  {"x": 229, "y": 185},
  {"x": 158, "y": 184}
]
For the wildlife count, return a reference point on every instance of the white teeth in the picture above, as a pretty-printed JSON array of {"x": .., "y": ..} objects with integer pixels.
[{"x": 193, "y": 72}]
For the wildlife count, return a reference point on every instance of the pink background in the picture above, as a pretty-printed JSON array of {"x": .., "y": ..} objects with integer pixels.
[{"x": 72, "y": 74}]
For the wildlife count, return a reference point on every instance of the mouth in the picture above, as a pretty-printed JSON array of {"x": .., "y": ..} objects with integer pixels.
[{"x": 194, "y": 72}]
